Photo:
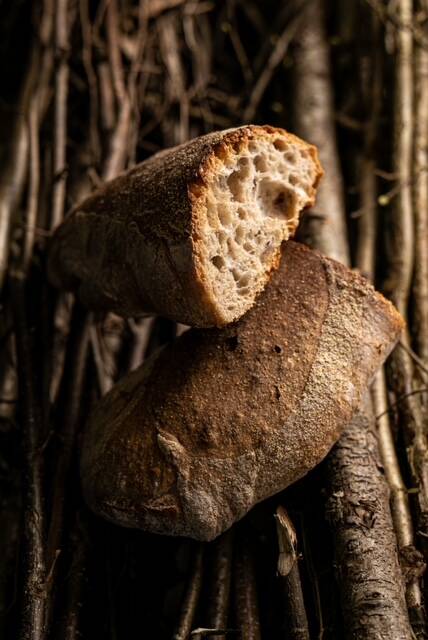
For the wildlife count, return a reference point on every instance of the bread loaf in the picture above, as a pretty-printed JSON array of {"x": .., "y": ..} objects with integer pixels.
[
  {"x": 221, "y": 419},
  {"x": 194, "y": 232}
]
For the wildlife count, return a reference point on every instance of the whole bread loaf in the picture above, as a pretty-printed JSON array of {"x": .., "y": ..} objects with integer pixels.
[
  {"x": 221, "y": 419},
  {"x": 194, "y": 232}
]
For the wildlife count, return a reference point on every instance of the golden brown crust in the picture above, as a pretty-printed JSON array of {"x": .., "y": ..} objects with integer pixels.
[
  {"x": 135, "y": 245},
  {"x": 222, "y": 419}
]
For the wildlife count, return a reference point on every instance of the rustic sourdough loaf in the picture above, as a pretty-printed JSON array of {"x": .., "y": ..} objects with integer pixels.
[
  {"x": 194, "y": 232},
  {"x": 221, "y": 419}
]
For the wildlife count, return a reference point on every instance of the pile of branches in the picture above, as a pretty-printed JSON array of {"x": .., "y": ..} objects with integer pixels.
[{"x": 89, "y": 89}]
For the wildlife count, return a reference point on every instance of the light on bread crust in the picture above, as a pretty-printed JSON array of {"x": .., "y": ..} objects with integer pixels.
[
  {"x": 221, "y": 419},
  {"x": 194, "y": 232}
]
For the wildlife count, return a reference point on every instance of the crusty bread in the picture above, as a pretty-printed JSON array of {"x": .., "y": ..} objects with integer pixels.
[
  {"x": 194, "y": 232},
  {"x": 221, "y": 419}
]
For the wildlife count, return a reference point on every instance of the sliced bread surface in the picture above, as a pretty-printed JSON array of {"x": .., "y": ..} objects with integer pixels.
[{"x": 194, "y": 232}]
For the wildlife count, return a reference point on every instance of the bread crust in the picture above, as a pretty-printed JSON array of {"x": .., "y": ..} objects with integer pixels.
[
  {"x": 135, "y": 245},
  {"x": 221, "y": 419}
]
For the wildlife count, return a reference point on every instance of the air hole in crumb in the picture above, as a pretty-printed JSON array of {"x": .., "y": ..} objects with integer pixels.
[
  {"x": 236, "y": 180},
  {"x": 282, "y": 201},
  {"x": 240, "y": 234},
  {"x": 231, "y": 248},
  {"x": 276, "y": 199},
  {"x": 290, "y": 156},
  {"x": 221, "y": 237},
  {"x": 260, "y": 163},
  {"x": 236, "y": 146},
  {"x": 218, "y": 262},
  {"x": 224, "y": 215},
  {"x": 242, "y": 214},
  {"x": 235, "y": 275},
  {"x": 244, "y": 281},
  {"x": 293, "y": 180},
  {"x": 279, "y": 144},
  {"x": 277, "y": 348}
]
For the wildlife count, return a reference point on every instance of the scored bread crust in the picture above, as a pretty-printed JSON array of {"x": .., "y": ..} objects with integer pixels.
[
  {"x": 136, "y": 245},
  {"x": 221, "y": 419}
]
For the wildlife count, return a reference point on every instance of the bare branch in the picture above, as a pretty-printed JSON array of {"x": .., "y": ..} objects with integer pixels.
[
  {"x": 63, "y": 26},
  {"x": 192, "y": 596},
  {"x": 33, "y": 613}
]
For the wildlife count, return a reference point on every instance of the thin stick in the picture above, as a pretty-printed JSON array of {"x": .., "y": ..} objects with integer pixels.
[
  {"x": 399, "y": 496},
  {"x": 420, "y": 197},
  {"x": 32, "y": 617},
  {"x": 116, "y": 160},
  {"x": 69, "y": 630},
  {"x": 118, "y": 152},
  {"x": 70, "y": 397},
  {"x": 87, "y": 57},
  {"x": 8, "y": 382},
  {"x": 367, "y": 220},
  {"x": 389, "y": 13},
  {"x": 115, "y": 58},
  {"x": 37, "y": 109},
  {"x": 34, "y": 183},
  {"x": 288, "y": 569},
  {"x": 276, "y": 57},
  {"x": 401, "y": 236},
  {"x": 314, "y": 121},
  {"x": 63, "y": 26},
  {"x": 13, "y": 177},
  {"x": 246, "y": 602},
  {"x": 158, "y": 6},
  {"x": 191, "y": 597},
  {"x": 105, "y": 379},
  {"x": 220, "y": 587}
]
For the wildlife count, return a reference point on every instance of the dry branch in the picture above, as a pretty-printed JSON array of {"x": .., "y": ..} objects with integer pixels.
[
  {"x": 70, "y": 399},
  {"x": 277, "y": 56},
  {"x": 313, "y": 111},
  {"x": 400, "y": 507},
  {"x": 63, "y": 25},
  {"x": 288, "y": 569},
  {"x": 420, "y": 196},
  {"x": 367, "y": 214},
  {"x": 13, "y": 175},
  {"x": 70, "y": 627},
  {"x": 373, "y": 601},
  {"x": 191, "y": 596},
  {"x": 221, "y": 582},
  {"x": 33, "y": 587},
  {"x": 401, "y": 235},
  {"x": 245, "y": 591}
]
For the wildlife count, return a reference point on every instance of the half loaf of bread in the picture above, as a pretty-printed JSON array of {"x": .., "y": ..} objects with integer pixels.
[
  {"x": 192, "y": 233},
  {"x": 221, "y": 419}
]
